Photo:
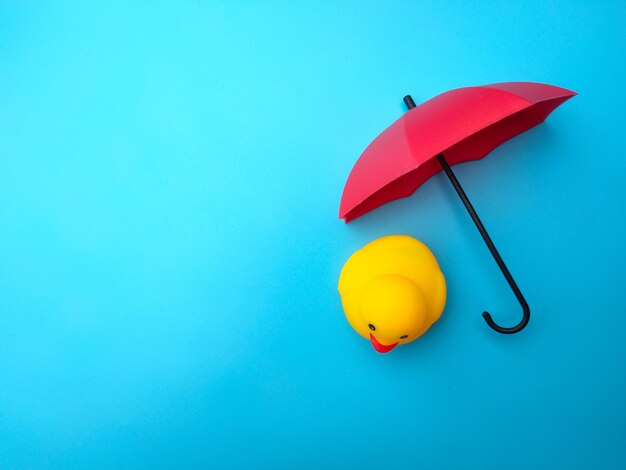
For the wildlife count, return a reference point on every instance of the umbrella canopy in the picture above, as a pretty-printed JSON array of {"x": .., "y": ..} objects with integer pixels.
[{"x": 463, "y": 124}]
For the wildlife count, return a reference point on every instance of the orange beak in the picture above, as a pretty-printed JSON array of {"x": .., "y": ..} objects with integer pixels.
[{"x": 381, "y": 348}]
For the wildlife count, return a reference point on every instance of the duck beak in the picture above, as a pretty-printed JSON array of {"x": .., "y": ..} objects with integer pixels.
[{"x": 381, "y": 348}]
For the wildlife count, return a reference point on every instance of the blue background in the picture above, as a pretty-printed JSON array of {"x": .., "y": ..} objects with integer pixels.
[{"x": 170, "y": 176}]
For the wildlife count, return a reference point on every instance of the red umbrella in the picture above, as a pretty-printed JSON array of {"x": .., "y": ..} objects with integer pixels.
[{"x": 463, "y": 124}]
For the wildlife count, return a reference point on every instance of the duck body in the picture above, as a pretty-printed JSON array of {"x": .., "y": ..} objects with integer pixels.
[{"x": 392, "y": 291}]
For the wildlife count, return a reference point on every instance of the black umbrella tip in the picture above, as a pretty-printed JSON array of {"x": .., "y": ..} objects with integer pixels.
[{"x": 409, "y": 102}]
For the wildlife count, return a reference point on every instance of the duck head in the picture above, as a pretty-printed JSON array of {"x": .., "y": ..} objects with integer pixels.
[{"x": 394, "y": 310}]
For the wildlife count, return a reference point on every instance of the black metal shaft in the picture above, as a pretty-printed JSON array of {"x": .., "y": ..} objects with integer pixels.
[
  {"x": 492, "y": 248},
  {"x": 494, "y": 253}
]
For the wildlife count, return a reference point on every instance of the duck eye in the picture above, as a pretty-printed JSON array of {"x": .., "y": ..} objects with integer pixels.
[
  {"x": 372, "y": 327},
  {"x": 404, "y": 336}
]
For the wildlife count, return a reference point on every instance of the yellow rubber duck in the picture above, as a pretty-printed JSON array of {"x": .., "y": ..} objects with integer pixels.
[{"x": 392, "y": 291}]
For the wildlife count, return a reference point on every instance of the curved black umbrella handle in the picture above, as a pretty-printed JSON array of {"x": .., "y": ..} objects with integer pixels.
[
  {"x": 492, "y": 248},
  {"x": 494, "y": 252}
]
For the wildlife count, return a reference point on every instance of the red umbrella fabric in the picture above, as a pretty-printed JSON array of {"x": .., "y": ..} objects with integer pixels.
[{"x": 463, "y": 124}]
